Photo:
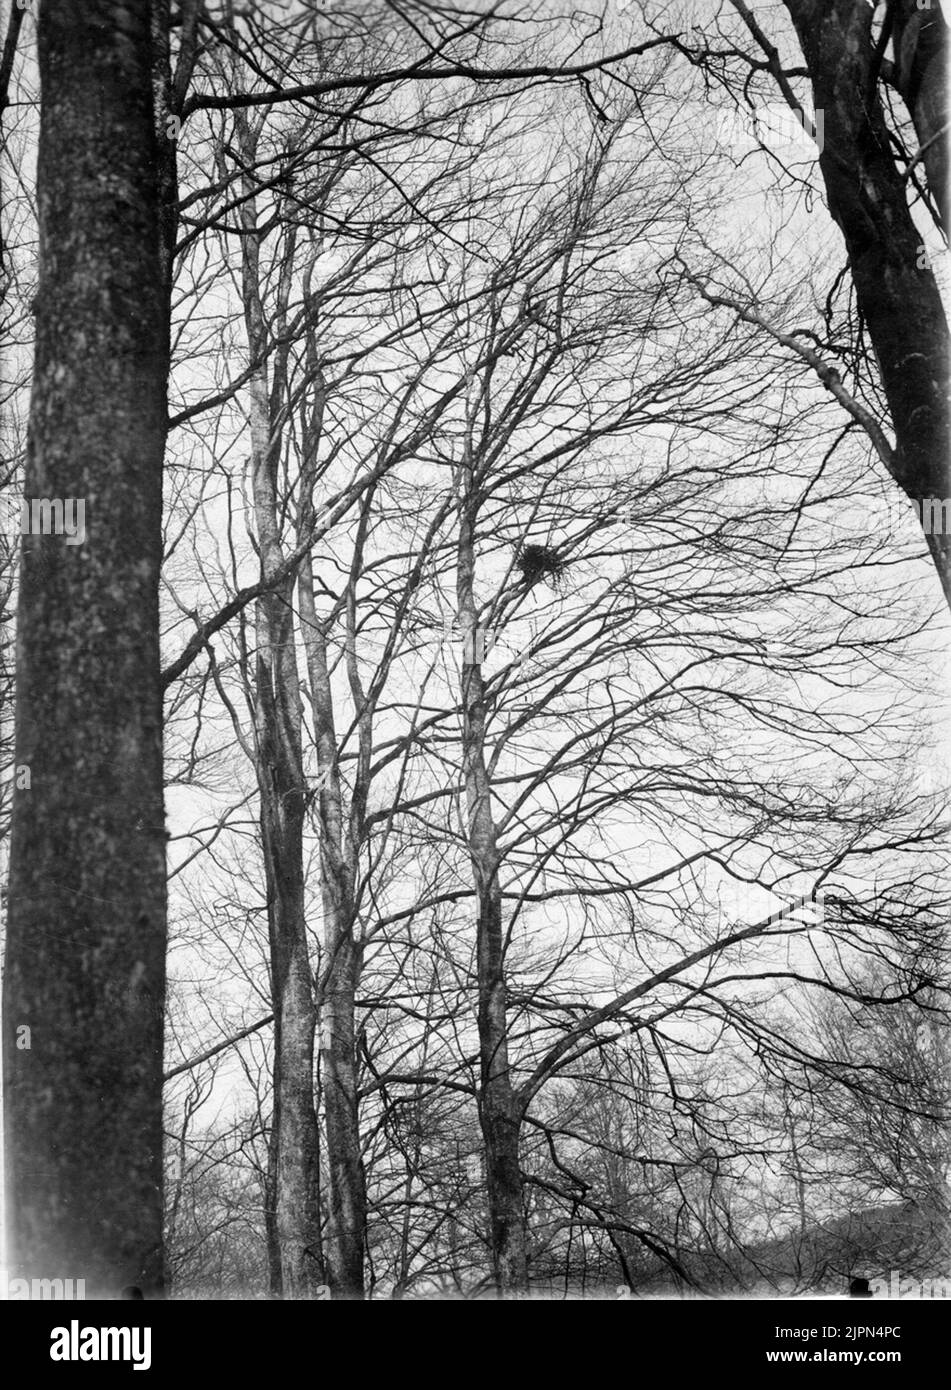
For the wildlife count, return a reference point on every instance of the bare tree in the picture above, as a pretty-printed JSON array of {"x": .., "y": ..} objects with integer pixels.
[
  {"x": 880, "y": 192},
  {"x": 523, "y": 695}
]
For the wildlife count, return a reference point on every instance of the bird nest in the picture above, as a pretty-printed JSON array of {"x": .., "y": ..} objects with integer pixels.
[{"x": 538, "y": 562}]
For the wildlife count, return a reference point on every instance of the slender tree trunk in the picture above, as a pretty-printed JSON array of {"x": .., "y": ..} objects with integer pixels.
[
  {"x": 895, "y": 287},
  {"x": 170, "y": 86},
  {"x": 921, "y": 75},
  {"x": 84, "y": 979},
  {"x": 341, "y": 834},
  {"x": 345, "y": 1178},
  {"x": 271, "y": 1233},
  {"x": 340, "y": 976},
  {"x": 281, "y": 785},
  {"x": 296, "y": 1158},
  {"x": 499, "y": 1110}
]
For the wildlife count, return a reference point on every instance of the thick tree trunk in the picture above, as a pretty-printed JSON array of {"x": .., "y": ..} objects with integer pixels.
[
  {"x": 84, "y": 978},
  {"x": 895, "y": 288},
  {"x": 499, "y": 1109}
]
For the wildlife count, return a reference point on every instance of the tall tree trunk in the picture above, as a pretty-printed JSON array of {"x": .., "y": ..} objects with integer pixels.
[
  {"x": 341, "y": 834},
  {"x": 84, "y": 980},
  {"x": 895, "y": 288},
  {"x": 340, "y": 977},
  {"x": 499, "y": 1109},
  {"x": 281, "y": 785}
]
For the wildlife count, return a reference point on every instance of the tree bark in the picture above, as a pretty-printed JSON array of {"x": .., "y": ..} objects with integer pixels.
[
  {"x": 85, "y": 955},
  {"x": 499, "y": 1109},
  {"x": 342, "y": 832},
  {"x": 920, "y": 73},
  {"x": 281, "y": 785},
  {"x": 272, "y": 1238},
  {"x": 346, "y": 1185},
  {"x": 343, "y": 962},
  {"x": 895, "y": 288}
]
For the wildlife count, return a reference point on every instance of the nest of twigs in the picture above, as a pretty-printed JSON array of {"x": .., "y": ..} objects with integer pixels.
[{"x": 539, "y": 562}]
